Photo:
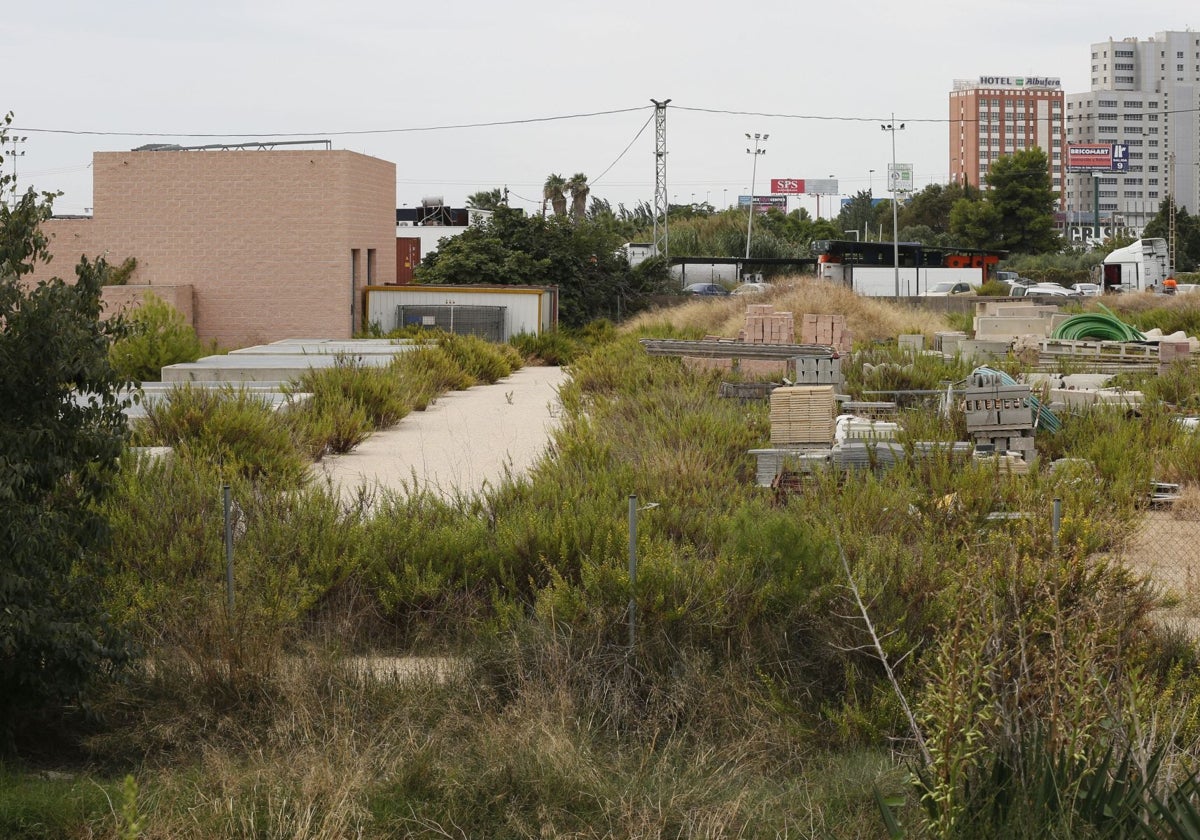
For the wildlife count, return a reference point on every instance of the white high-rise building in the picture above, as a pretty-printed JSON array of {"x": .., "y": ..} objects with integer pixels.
[{"x": 1143, "y": 94}]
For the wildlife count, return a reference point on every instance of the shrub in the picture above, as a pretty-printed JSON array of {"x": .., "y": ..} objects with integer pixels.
[
  {"x": 157, "y": 336},
  {"x": 232, "y": 427},
  {"x": 551, "y": 348},
  {"x": 485, "y": 362}
]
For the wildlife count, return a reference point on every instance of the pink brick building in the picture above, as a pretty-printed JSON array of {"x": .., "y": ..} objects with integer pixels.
[{"x": 259, "y": 245}]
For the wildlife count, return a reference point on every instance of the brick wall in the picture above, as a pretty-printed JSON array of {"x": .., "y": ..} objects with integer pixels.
[
  {"x": 121, "y": 298},
  {"x": 264, "y": 238}
]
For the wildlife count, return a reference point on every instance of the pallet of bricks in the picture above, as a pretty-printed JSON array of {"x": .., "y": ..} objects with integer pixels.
[
  {"x": 803, "y": 415},
  {"x": 802, "y": 418},
  {"x": 1000, "y": 418},
  {"x": 766, "y": 326},
  {"x": 830, "y": 330}
]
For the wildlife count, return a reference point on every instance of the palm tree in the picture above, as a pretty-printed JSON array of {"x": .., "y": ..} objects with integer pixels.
[
  {"x": 579, "y": 189},
  {"x": 486, "y": 199},
  {"x": 553, "y": 191}
]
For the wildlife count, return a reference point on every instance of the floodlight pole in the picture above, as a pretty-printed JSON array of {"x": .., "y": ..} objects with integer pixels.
[
  {"x": 893, "y": 183},
  {"x": 756, "y": 151}
]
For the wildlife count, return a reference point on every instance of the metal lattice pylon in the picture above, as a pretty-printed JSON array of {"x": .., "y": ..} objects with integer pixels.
[{"x": 661, "y": 206}]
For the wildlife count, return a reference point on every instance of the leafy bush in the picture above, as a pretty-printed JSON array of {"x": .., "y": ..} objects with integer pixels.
[
  {"x": 232, "y": 427},
  {"x": 551, "y": 348},
  {"x": 483, "y": 361},
  {"x": 157, "y": 336}
]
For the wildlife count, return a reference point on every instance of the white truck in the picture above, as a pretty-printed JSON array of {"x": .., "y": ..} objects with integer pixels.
[{"x": 1135, "y": 268}]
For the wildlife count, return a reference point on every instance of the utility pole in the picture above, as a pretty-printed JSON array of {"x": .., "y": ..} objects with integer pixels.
[
  {"x": 662, "y": 206},
  {"x": 893, "y": 185},
  {"x": 756, "y": 151}
]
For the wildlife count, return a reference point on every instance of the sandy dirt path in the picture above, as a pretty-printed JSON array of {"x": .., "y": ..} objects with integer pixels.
[{"x": 460, "y": 444}]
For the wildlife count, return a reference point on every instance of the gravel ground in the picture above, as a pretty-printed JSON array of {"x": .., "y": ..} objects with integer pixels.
[{"x": 461, "y": 444}]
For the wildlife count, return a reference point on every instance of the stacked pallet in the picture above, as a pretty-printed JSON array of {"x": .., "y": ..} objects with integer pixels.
[
  {"x": 803, "y": 414},
  {"x": 830, "y": 330},
  {"x": 766, "y": 326},
  {"x": 999, "y": 416}
]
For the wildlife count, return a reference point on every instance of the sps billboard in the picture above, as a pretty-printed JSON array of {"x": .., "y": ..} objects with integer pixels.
[{"x": 804, "y": 186}]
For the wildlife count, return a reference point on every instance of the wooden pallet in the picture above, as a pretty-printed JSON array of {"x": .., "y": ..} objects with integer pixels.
[{"x": 1102, "y": 351}]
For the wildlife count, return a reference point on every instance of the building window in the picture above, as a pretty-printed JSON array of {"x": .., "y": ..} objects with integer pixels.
[
  {"x": 1109, "y": 117},
  {"x": 1107, "y": 103},
  {"x": 1152, "y": 117},
  {"x": 1133, "y": 194},
  {"x": 370, "y": 266},
  {"x": 1152, "y": 182},
  {"x": 1152, "y": 194},
  {"x": 1133, "y": 117},
  {"x": 1107, "y": 129}
]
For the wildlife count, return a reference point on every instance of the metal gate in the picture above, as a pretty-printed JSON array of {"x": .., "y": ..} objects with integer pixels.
[{"x": 486, "y": 322}]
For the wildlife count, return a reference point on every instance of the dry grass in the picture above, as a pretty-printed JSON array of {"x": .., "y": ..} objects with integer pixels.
[{"x": 869, "y": 319}]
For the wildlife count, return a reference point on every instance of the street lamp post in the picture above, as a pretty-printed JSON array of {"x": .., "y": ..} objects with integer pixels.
[
  {"x": 871, "y": 182},
  {"x": 893, "y": 178},
  {"x": 756, "y": 151}
]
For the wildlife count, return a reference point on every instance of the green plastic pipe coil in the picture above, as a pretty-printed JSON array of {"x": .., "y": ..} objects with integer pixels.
[{"x": 1095, "y": 325}]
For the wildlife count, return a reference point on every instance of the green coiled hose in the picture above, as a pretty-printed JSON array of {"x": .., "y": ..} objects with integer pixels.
[{"x": 1099, "y": 326}]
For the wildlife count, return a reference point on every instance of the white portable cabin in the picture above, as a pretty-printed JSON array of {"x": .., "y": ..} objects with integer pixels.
[{"x": 496, "y": 313}]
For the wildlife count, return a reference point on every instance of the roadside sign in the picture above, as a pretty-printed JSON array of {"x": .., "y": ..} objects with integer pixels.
[
  {"x": 1097, "y": 157},
  {"x": 900, "y": 177}
]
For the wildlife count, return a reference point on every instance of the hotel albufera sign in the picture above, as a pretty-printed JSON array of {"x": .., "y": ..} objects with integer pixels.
[{"x": 1050, "y": 82}]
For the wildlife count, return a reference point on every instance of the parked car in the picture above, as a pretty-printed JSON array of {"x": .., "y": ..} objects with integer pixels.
[
  {"x": 752, "y": 289},
  {"x": 705, "y": 289},
  {"x": 1087, "y": 289},
  {"x": 947, "y": 288},
  {"x": 1051, "y": 290}
]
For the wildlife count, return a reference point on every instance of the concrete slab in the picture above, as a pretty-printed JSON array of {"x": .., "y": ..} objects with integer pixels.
[
  {"x": 463, "y": 443},
  {"x": 252, "y": 368},
  {"x": 326, "y": 348}
]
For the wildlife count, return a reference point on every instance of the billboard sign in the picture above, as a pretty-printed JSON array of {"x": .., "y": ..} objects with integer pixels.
[
  {"x": 900, "y": 177},
  {"x": 1097, "y": 157},
  {"x": 763, "y": 203},
  {"x": 804, "y": 186}
]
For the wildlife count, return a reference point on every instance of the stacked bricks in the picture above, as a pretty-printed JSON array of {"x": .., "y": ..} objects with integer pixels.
[
  {"x": 829, "y": 330},
  {"x": 766, "y": 326},
  {"x": 803, "y": 414}
]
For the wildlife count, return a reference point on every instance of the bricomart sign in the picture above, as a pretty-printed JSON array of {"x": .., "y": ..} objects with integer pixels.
[
  {"x": 1021, "y": 81},
  {"x": 1097, "y": 157}
]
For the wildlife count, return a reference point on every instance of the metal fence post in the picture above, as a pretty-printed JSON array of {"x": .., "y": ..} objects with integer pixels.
[
  {"x": 228, "y": 548},
  {"x": 1055, "y": 523},
  {"x": 632, "y": 570}
]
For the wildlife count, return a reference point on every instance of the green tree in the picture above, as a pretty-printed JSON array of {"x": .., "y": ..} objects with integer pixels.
[
  {"x": 976, "y": 224},
  {"x": 581, "y": 258},
  {"x": 930, "y": 208},
  {"x": 1187, "y": 234},
  {"x": 1020, "y": 190},
  {"x": 61, "y": 432},
  {"x": 486, "y": 199},
  {"x": 554, "y": 192},
  {"x": 157, "y": 336},
  {"x": 579, "y": 190},
  {"x": 857, "y": 214}
]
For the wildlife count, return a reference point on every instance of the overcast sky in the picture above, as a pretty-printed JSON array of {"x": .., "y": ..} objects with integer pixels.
[{"x": 819, "y": 77}]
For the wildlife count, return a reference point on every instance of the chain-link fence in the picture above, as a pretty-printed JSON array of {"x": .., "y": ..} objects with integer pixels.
[{"x": 1165, "y": 547}]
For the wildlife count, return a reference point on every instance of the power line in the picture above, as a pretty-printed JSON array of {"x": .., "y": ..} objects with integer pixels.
[
  {"x": 346, "y": 133},
  {"x": 627, "y": 148}
]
